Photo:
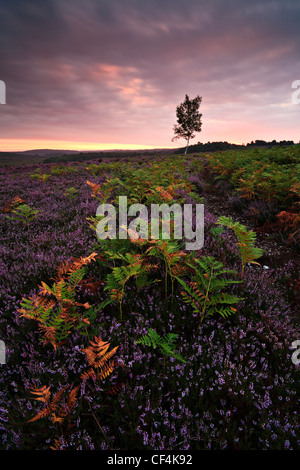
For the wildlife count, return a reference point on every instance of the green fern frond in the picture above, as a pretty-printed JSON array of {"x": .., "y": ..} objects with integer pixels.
[
  {"x": 77, "y": 276},
  {"x": 23, "y": 213},
  {"x": 165, "y": 344},
  {"x": 246, "y": 241},
  {"x": 134, "y": 267},
  {"x": 206, "y": 292}
]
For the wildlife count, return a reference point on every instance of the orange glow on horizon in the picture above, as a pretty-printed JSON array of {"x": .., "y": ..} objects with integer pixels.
[{"x": 20, "y": 145}]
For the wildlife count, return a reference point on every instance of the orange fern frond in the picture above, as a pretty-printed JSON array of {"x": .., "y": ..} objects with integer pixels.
[
  {"x": 106, "y": 370},
  {"x": 99, "y": 362},
  {"x": 58, "y": 396},
  {"x": 49, "y": 333},
  {"x": 100, "y": 347},
  {"x": 97, "y": 349},
  {"x": 289, "y": 220},
  {"x": 66, "y": 408},
  {"x": 164, "y": 194},
  {"x": 97, "y": 355},
  {"x": 90, "y": 373},
  {"x": 10, "y": 205},
  {"x": 195, "y": 288},
  {"x": 171, "y": 190},
  {"x": 116, "y": 388},
  {"x": 68, "y": 267},
  {"x": 46, "y": 303},
  {"x": 59, "y": 286},
  {"x": 55, "y": 409},
  {"x": 95, "y": 187},
  {"x": 79, "y": 262},
  {"x": 42, "y": 414},
  {"x": 63, "y": 269},
  {"x": 72, "y": 398},
  {"x": 57, "y": 419},
  {"x": 56, "y": 401},
  {"x": 178, "y": 256},
  {"x": 179, "y": 270},
  {"x": 56, "y": 445},
  {"x": 90, "y": 285},
  {"x": 44, "y": 289},
  {"x": 25, "y": 314},
  {"x": 116, "y": 294},
  {"x": 39, "y": 300},
  {"x": 43, "y": 393}
]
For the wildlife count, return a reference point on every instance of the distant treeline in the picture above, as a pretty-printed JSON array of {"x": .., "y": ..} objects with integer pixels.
[
  {"x": 218, "y": 146},
  {"x": 83, "y": 156},
  {"x": 197, "y": 148},
  {"x": 21, "y": 158},
  {"x": 262, "y": 143},
  {"x": 15, "y": 159}
]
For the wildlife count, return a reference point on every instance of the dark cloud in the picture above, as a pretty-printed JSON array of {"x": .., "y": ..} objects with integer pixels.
[{"x": 115, "y": 71}]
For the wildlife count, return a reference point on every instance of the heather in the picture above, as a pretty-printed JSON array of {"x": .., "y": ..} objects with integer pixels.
[{"x": 217, "y": 373}]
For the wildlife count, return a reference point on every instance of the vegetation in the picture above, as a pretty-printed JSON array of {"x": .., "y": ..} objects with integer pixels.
[
  {"x": 267, "y": 182},
  {"x": 138, "y": 343},
  {"x": 188, "y": 119}
]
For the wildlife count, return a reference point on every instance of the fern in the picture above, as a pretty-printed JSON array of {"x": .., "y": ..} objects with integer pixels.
[
  {"x": 55, "y": 409},
  {"x": 12, "y": 204},
  {"x": 165, "y": 344},
  {"x": 135, "y": 267},
  {"x": 76, "y": 277},
  {"x": 246, "y": 242},
  {"x": 101, "y": 191},
  {"x": 23, "y": 213},
  {"x": 101, "y": 366},
  {"x": 216, "y": 231},
  {"x": 172, "y": 256},
  {"x": 98, "y": 357},
  {"x": 71, "y": 192},
  {"x": 55, "y": 308},
  {"x": 60, "y": 406},
  {"x": 206, "y": 292}
]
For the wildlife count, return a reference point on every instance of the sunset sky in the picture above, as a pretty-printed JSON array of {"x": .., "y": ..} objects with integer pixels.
[{"x": 97, "y": 74}]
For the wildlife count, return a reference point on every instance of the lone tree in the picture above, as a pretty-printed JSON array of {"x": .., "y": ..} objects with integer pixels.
[{"x": 189, "y": 120}]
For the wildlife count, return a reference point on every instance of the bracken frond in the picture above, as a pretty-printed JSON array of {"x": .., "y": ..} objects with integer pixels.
[
  {"x": 95, "y": 187},
  {"x": 56, "y": 410},
  {"x": 55, "y": 308},
  {"x": 10, "y": 205},
  {"x": 43, "y": 393},
  {"x": 116, "y": 388},
  {"x": 74, "y": 264},
  {"x": 98, "y": 356},
  {"x": 89, "y": 374}
]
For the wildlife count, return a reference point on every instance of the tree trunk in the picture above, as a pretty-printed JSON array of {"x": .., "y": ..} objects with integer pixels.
[{"x": 187, "y": 144}]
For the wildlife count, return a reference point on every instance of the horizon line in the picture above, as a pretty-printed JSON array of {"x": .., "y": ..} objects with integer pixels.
[{"x": 92, "y": 147}]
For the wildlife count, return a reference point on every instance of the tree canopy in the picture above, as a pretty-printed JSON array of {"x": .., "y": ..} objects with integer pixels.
[{"x": 188, "y": 119}]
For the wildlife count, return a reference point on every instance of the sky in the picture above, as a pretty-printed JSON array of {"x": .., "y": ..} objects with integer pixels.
[{"x": 109, "y": 74}]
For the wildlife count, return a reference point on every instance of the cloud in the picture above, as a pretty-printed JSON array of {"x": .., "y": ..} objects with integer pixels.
[{"x": 115, "y": 71}]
